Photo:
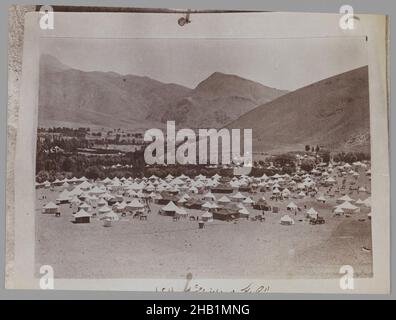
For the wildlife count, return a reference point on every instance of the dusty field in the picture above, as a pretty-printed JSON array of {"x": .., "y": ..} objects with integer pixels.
[{"x": 162, "y": 248}]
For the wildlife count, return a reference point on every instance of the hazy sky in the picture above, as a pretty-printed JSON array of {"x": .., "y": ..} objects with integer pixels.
[{"x": 280, "y": 63}]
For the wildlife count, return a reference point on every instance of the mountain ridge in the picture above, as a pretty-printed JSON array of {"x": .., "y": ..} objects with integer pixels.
[
  {"x": 333, "y": 113},
  {"x": 99, "y": 98}
]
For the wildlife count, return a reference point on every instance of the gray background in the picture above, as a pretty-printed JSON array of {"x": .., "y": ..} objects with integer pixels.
[{"x": 331, "y": 6}]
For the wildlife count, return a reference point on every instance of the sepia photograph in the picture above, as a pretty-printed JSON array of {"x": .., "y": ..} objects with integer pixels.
[{"x": 215, "y": 155}]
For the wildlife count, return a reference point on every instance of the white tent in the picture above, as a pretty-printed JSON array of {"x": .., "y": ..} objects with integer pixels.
[
  {"x": 312, "y": 213},
  {"x": 359, "y": 202},
  {"x": 248, "y": 200},
  {"x": 345, "y": 198},
  {"x": 214, "y": 206},
  {"x": 106, "y": 181},
  {"x": 96, "y": 191},
  {"x": 193, "y": 190},
  {"x": 50, "y": 207},
  {"x": 276, "y": 191},
  {"x": 75, "y": 200},
  {"x": 207, "y": 216},
  {"x": 111, "y": 215},
  {"x": 207, "y": 205},
  {"x": 338, "y": 211},
  {"x": 82, "y": 213},
  {"x": 301, "y": 194},
  {"x": 170, "y": 207},
  {"x": 209, "y": 196},
  {"x": 292, "y": 206},
  {"x": 57, "y": 182},
  {"x": 362, "y": 189},
  {"x": 63, "y": 197},
  {"x": 347, "y": 166},
  {"x": 286, "y": 220},
  {"x": 102, "y": 202},
  {"x": 238, "y": 196},
  {"x": 85, "y": 185},
  {"x": 65, "y": 185},
  {"x": 76, "y": 191},
  {"x": 330, "y": 180},
  {"x": 135, "y": 204},
  {"x": 186, "y": 196},
  {"x": 104, "y": 209},
  {"x": 82, "y": 216},
  {"x": 244, "y": 212},
  {"x": 349, "y": 207},
  {"x": 286, "y": 193},
  {"x": 224, "y": 199},
  {"x": 73, "y": 180},
  {"x": 121, "y": 206},
  {"x": 84, "y": 206},
  {"x": 182, "y": 200}
]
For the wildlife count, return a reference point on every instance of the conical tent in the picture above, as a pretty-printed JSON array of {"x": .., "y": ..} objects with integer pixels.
[
  {"x": 338, "y": 210},
  {"x": 75, "y": 200},
  {"x": 223, "y": 199},
  {"x": 276, "y": 191},
  {"x": 135, "y": 204},
  {"x": 170, "y": 207},
  {"x": 286, "y": 220},
  {"x": 207, "y": 205},
  {"x": 238, "y": 196},
  {"x": 50, "y": 205},
  {"x": 248, "y": 200},
  {"x": 348, "y": 207},
  {"x": 344, "y": 198},
  {"x": 64, "y": 196},
  {"x": 85, "y": 206},
  {"x": 312, "y": 213},
  {"x": 359, "y": 202},
  {"x": 244, "y": 212},
  {"x": 85, "y": 185},
  {"x": 82, "y": 214},
  {"x": 292, "y": 206},
  {"x": 107, "y": 180},
  {"x": 209, "y": 196}
]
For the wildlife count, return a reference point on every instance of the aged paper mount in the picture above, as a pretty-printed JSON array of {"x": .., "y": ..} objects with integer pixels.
[{"x": 253, "y": 27}]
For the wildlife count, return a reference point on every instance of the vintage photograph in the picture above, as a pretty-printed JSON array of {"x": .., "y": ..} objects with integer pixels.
[
  {"x": 234, "y": 157},
  {"x": 303, "y": 211}
]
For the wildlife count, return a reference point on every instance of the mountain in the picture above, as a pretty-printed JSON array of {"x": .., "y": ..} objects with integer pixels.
[
  {"x": 332, "y": 113},
  {"x": 108, "y": 99},
  {"x": 73, "y": 97},
  {"x": 216, "y": 101}
]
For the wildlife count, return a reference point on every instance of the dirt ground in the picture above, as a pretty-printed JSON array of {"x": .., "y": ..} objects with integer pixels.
[{"x": 162, "y": 248}]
